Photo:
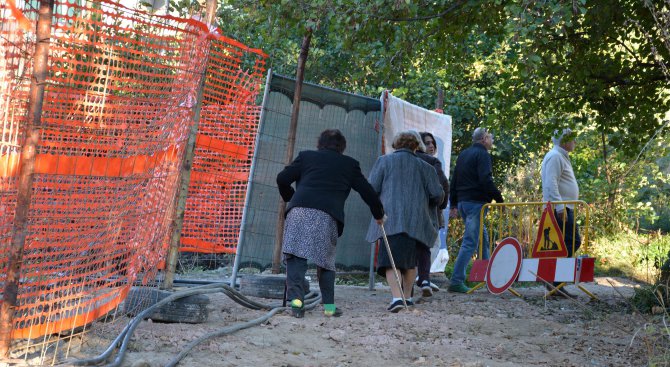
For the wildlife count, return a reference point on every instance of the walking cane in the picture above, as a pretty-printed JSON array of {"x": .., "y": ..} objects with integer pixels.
[{"x": 395, "y": 270}]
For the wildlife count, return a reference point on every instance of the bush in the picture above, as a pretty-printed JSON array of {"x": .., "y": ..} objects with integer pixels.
[
  {"x": 646, "y": 298},
  {"x": 639, "y": 256},
  {"x": 450, "y": 270}
]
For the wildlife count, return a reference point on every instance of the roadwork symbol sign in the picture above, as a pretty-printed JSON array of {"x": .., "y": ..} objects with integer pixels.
[{"x": 549, "y": 242}]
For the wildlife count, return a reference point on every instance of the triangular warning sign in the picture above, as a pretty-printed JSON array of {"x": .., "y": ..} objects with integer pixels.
[{"x": 549, "y": 242}]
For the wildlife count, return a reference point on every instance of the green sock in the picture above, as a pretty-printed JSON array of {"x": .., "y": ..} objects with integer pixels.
[
  {"x": 296, "y": 303},
  {"x": 329, "y": 308}
]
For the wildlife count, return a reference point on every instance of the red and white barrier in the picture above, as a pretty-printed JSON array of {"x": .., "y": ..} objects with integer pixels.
[{"x": 551, "y": 270}]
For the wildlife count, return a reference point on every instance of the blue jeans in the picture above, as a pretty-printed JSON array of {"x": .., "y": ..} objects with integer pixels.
[
  {"x": 469, "y": 211},
  {"x": 570, "y": 227}
]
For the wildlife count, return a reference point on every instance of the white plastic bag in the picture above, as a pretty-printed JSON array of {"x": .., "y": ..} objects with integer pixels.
[{"x": 440, "y": 261}]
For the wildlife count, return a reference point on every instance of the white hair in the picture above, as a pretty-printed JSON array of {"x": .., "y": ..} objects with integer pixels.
[
  {"x": 479, "y": 134},
  {"x": 558, "y": 136}
]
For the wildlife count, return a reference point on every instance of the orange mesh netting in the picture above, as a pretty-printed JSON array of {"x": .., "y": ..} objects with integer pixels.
[
  {"x": 118, "y": 105},
  {"x": 224, "y": 148}
]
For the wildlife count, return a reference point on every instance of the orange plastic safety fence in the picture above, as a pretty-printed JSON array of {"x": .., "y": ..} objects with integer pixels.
[
  {"x": 224, "y": 148},
  {"x": 117, "y": 108}
]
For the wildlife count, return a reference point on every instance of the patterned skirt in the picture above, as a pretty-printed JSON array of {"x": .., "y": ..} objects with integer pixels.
[{"x": 311, "y": 234}]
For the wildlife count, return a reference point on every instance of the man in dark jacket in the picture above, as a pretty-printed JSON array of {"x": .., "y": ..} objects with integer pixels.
[{"x": 471, "y": 187}]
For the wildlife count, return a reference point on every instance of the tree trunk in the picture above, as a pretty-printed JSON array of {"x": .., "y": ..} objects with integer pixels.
[
  {"x": 293, "y": 127},
  {"x": 611, "y": 191}
]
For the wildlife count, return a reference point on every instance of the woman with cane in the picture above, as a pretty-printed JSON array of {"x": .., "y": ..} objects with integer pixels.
[{"x": 410, "y": 192}]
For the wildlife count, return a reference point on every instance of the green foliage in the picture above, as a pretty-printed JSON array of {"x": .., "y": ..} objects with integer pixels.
[
  {"x": 362, "y": 279},
  {"x": 645, "y": 298},
  {"x": 633, "y": 255},
  {"x": 520, "y": 68},
  {"x": 449, "y": 269},
  {"x": 654, "y": 300}
]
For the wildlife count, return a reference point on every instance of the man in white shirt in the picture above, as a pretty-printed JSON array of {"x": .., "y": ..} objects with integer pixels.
[{"x": 559, "y": 184}]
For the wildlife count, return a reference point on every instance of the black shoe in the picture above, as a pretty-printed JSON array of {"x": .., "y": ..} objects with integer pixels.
[
  {"x": 426, "y": 289},
  {"x": 298, "y": 313},
  {"x": 396, "y": 306},
  {"x": 409, "y": 303},
  {"x": 297, "y": 309}
]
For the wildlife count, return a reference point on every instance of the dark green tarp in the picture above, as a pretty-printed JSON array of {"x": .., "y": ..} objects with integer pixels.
[{"x": 359, "y": 119}]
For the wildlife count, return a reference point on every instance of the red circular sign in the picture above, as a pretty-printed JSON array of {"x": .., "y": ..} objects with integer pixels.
[{"x": 504, "y": 266}]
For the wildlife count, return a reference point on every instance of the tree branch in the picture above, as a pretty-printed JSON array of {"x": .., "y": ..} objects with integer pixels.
[
  {"x": 622, "y": 44},
  {"x": 453, "y": 7},
  {"x": 621, "y": 80},
  {"x": 634, "y": 163}
]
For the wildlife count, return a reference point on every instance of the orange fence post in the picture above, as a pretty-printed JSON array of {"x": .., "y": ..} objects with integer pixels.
[{"x": 26, "y": 169}]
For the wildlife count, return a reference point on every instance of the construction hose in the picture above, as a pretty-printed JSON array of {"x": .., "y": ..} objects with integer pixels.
[
  {"x": 311, "y": 300},
  {"x": 121, "y": 341},
  {"x": 125, "y": 334}
]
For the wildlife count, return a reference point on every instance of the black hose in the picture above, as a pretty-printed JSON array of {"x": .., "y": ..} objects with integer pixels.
[
  {"x": 224, "y": 331},
  {"x": 311, "y": 300},
  {"x": 138, "y": 319},
  {"x": 125, "y": 334}
]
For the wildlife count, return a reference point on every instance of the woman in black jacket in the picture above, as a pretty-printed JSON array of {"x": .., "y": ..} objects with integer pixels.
[
  {"x": 315, "y": 214},
  {"x": 427, "y": 152}
]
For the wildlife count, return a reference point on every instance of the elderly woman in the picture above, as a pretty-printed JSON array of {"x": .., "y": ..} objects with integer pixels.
[
  {"x": 410, "y": 191},
  {"x": 315, "y": 214}
]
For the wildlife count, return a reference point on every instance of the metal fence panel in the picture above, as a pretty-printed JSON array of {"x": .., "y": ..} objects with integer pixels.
[{"x": 321, "y": 108}]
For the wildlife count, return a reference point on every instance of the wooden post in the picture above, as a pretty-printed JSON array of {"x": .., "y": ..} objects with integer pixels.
[
  {"x": 187, "y": 162},
  {"x": 26, "y": 169},
  {"x": 293, "y": 127},
  {"x": 210, "y": 11},
  {"x": 439, "y": 102}
]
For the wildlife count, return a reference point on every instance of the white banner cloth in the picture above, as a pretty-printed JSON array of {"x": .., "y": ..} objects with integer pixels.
[{"x": 401, "y": 115}]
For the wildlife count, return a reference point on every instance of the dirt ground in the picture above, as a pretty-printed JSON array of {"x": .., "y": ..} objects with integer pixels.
[{"x": 450, "y": 329}]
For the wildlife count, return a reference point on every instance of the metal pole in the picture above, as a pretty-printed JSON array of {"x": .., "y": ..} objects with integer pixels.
[
  {"x": 187, "y": 162},
  {"x": 373, "y": 246},
  {"x": 26, "y": 169},
  {"x": 240, "y": 241},
  {"x": 439, "y": 107},
  {"x": 293, "y": 127}
]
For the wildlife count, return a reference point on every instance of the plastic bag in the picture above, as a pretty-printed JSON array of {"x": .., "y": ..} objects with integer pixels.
[{"x": 440, "y": 261}]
